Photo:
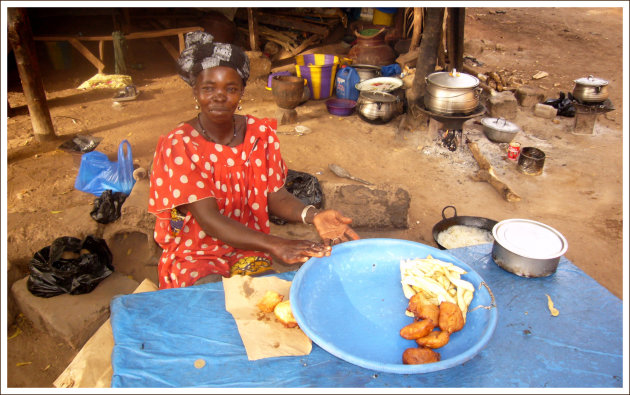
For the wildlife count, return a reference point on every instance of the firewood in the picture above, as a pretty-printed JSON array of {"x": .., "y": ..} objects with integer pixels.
[{"x": 486, "y": 173}]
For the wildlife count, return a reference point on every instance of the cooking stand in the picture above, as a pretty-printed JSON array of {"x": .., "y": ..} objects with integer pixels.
[
  {"x": 586, "y": 115},
  {"x": 451, "y": 124}
]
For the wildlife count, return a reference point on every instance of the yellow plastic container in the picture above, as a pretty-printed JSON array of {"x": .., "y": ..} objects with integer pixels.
[{"x": 382, "y": 18}]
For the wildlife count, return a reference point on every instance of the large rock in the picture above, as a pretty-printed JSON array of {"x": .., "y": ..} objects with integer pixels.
[
  {"x": 374, "y": 208},
  {"x": 72, "y": 318},
  {"x": 502, "y": 105},
  {"x": 528, "y": 96}
]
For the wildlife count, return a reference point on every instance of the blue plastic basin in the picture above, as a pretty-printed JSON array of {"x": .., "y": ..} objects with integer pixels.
[{"x": 352, "y": 305}]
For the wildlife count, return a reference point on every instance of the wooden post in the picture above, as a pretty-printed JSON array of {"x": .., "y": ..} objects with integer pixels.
[
  {"x": 455, "y": 37},
  {"x": 417, "y": 28},
  {"x": 21, "y": 38},
  {"x": 427, "y": 56},
  {"x": 253, "y": 29}
]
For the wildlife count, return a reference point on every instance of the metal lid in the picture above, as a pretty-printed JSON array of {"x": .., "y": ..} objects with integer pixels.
[
  {"x": 530, "y": 239},
  {"x": 501, "y": 125},
  {"x": 591, "y": 81},
  {"x": 453, "y": 79},
  {"x": 379, "y": 84},
  {"x": 382, "y": 97}
]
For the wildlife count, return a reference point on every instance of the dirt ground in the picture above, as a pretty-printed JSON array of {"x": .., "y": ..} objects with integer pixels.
[{"x": 579, "y": 193}]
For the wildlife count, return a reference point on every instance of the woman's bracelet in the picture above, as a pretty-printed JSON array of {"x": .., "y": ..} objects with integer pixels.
[{"x": 304, "y": 212}]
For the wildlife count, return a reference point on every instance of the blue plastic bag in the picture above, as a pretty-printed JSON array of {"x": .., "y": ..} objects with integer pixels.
[
  {"x": 97, "y": 173},
  {"x": 391, "y": 70},
  {"x": 345, "y": 82}
]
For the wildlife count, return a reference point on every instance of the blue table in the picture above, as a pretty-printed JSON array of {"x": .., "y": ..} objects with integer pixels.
[{"x": 159, "y": 335}]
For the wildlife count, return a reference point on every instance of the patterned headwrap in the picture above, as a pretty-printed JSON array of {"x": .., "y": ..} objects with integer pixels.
[{"x": 201, "y": 53}]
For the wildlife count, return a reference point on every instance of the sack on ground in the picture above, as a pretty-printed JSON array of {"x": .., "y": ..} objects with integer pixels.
[{"x": 69, "y": 266}]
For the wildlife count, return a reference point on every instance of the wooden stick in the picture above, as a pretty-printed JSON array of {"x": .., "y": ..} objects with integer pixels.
[
  {"x": 88, "y": 55},
  {"x": 486, "y": 173}
]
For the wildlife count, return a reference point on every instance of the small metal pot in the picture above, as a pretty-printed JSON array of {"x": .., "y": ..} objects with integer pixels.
[
  {"x": 366, "y": 71},
  {"x": 527, "y": 248},
  {"x": 377, "y": 107},
  {"x": 499, "y": 130},
  {"x": 451, "y": 93},
  {"x": 590, "y": 90}
]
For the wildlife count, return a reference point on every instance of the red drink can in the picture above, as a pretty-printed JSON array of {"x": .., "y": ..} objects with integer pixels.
[{"x": 513, "y": 151}]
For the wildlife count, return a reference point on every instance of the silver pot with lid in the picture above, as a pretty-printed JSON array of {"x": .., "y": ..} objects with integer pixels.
[
  {"x": 527, "y": 248},
  {"x": 590, "y": 89},
  {"x": 499, "y": 130},
  {"x": 451, "y": 92},
  {"x": 377, "y": 107}
]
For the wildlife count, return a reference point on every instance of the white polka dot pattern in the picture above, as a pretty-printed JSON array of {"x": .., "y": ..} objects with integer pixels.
[{"x": 186, "y": 169}]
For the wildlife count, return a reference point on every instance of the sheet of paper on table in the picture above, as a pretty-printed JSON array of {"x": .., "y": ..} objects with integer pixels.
[{"x": 262, "y": 334}]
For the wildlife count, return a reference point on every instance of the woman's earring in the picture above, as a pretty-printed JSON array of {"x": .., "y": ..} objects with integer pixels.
[
  {"x": 196, "y": 104},
  {"x": 239, "y": 105}
]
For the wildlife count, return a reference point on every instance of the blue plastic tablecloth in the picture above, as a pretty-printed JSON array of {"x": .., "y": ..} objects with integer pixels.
[{"x": 159, "y": 335}]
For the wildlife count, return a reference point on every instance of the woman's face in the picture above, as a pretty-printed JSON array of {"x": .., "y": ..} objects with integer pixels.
[{"x": 218, "y": 91}]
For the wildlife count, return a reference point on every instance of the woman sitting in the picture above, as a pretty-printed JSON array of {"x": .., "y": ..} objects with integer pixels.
[{"x": 217, "y": 177}]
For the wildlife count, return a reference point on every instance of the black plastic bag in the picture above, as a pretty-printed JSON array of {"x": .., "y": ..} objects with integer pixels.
[
  {"x": 107, "y": 206},
  {"x": 69, "y": 266},
  {"x": 81, "y": 144},
  {"x": 564, "y": 104},
  {"x": 303, "y": 186}
]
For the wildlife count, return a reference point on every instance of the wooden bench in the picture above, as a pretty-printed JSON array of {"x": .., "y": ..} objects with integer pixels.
[{"x": 98, "y": 62}]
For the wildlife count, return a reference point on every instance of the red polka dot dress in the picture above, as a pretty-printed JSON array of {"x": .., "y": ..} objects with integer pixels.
[{"x": 187, "y": 168}]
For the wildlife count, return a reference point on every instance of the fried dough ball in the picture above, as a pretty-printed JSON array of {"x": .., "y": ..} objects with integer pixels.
[
  {"x": 269, "y": 301},
  {"x": 419, "y": 355},
  {"x": 451, "y": 318},
  {"x": 284, "y": 314},
  {"x": 425, "y": 312},
  {"x": 417, "y": 329},
  {"x": 435, "y": 339}
]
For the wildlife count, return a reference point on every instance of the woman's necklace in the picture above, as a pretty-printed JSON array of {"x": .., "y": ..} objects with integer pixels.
[{"x": 205, "y": 133}]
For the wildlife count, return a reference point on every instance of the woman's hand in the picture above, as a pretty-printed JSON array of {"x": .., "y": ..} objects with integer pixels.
[
  {"x": 333, "y": 227},
  {"x": 298, "y": 251}
]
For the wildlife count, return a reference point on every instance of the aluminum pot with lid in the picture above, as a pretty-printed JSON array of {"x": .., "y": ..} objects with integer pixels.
[
  {"x": 451, "y": 92},
  {"x": 527, "y": 248},
  {"x": 499, "y": 130},
  {"x": 590, "y": 89},
  {"x": 377, "y": 107}
]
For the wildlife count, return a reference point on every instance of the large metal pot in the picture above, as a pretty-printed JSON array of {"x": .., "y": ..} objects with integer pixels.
[
  {"x": 445, "y": 223},
  {"x": 377, "y": 107},
  {"x": 527, "y": 248},
  {"x": 451, "y": 93},
  {"x": 590, "y": 90},
  {"x": 391, "y": 85}
]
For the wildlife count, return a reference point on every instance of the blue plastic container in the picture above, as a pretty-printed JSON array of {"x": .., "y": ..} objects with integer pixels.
[{"x": 345, "y": 82}]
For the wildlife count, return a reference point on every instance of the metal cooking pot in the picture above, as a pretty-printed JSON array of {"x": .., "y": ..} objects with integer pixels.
[
  {"x": 590, "y": 89},
  {"x": 445, "y": 223},
  {"x": 367, "y": 71},
  {"x": 527, "y": 248},
  {"x": 377, "y": 107},
  {"x": 499, "y": 130},
  {"x": 451, "y": 93}
]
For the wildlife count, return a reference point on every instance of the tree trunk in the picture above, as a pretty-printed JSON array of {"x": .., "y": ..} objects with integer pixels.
[
  {"x": 455, "y": 37},
  {"x": 427, "y": 57},
  {"x": 21, "y": 38}
]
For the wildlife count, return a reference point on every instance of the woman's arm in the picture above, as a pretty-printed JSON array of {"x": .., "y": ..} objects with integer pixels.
[
  {"x": 331, "y": 225},
  {"x": 237, "y": 235}
]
